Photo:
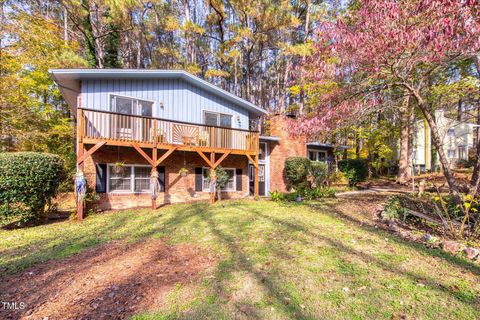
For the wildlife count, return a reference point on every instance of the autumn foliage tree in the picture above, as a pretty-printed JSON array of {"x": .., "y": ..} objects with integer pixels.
[
  {"x": 382, "y": 47},
  {"x": 33, "y": 116}
]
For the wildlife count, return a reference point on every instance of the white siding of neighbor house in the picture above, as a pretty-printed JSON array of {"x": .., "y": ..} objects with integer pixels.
[
  {"x": 463, "y": 137},
  {"x": 181, "y": 100}
]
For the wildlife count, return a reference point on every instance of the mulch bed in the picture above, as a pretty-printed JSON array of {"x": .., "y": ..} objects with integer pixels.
[{"x": 111, "y": 281}]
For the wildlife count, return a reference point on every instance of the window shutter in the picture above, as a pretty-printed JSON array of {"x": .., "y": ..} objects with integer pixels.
[
  {"x": 101, "y": 178},
  {"x": 239, "y": 179},
  {"x": 198, "y": 179},
  {"x": 161, "y": 178}
]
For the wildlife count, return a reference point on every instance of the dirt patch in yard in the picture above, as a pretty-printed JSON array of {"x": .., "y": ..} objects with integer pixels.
[
  {"x": 363, "y": 206},
  {"x": 111, "y": 281}
]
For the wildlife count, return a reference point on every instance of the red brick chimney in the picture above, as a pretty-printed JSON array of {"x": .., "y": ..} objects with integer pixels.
[{"x": 288, "y": 146}]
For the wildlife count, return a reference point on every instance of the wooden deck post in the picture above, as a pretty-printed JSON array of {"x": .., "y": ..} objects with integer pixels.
[
  {"x": 154, "y": 157},
  {"x": 255, "y": 180},
  {"x": 80, "y": 151},
  {"x": 212, "y": 164}
]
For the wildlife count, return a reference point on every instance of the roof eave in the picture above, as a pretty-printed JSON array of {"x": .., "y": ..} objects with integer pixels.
[{"x": 95, "y": 73}]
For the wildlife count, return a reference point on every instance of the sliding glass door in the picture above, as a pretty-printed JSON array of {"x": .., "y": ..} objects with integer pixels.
[
  {"x": 124, "y": 126},
  {"x": 223, "y": 138}
]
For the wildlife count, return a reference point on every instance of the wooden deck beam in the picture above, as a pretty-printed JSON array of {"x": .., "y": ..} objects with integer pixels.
[
  {"x": 255, "y": 163},
  {"x": 143, "y": 154},
  {"x": 82, "y": 156},
  {"x": 163, "y": 146},
  {"x": 204, "y": 157},
  {"x": 165, "y": 155},
  {"x": 217, "y": 163}
]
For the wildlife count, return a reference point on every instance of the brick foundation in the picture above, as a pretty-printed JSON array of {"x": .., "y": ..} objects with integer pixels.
[{"x": 177, "y": 188}]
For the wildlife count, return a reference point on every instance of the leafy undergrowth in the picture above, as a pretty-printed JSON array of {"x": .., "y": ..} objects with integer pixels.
[{"x": 311, "y": 260}]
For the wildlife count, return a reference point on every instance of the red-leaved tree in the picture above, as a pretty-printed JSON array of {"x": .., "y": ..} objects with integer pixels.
[{"x": 381, "y": 47}]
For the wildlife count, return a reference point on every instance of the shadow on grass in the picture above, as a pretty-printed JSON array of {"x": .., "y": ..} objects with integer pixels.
[
  {"x": 367, "y": 258},
  {"x": 45, "y": 249},
  {"x": 63, "y": 243},
  {"x": 437, "y": 253},
  {"x": 242, "y": 262}
]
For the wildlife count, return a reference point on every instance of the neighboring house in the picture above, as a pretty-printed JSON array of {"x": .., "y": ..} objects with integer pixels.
[
  {"x": 169, "y": 120},
  {"x": 457, "y": 140}
]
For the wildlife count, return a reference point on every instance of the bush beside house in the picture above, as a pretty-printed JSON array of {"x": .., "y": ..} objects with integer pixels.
[
  {"x": 28, "y": 182},
  {"x": 297, "y": 170},
  {"x": 355, "y": 170},
  {"x": 319, "y": 172},
  {"x": 299, "y": 174}
]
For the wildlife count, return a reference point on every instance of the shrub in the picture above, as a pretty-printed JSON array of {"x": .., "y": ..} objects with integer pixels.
[
  {"x": 319, "y": 172},
  {"x": 222, "y": 177},
  {"x": 337, "y": 177},
  {"x": 328, "y": 192},
  {"x": 277, "y": 196},
  {"x": 462, "y": 163},
  {"x": 296, "y": 172},
  {"x": 355, "y": 170},
  {"x": 292, "y": 196},
  {"x": 318, "y": 193},
  {"x": 393, "y": 209},
  {"x": 28, "y": 181}
]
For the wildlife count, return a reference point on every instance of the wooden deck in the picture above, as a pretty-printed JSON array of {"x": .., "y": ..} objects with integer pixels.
[
  {"x": 96, "y": 128},
  {"x": 149, "y": 132}
]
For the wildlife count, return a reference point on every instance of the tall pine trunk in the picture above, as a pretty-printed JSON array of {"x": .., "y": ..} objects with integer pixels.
[{"x": 404, "y": 164}]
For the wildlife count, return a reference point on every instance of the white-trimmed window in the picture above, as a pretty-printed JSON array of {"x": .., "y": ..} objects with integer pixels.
[
  {"x": 451, "y": 154},
  {"x": 120, "y": 181},
  {"x": 261, "y": 173},
  {"x": 317, "y": 155},
  {"x": 462, "y": 154},
  {"x": 131, "y": 179},
  {"x": 231, "y": 184},
  {"x": 130, "y": 105},
  {"x": 262, "y": 151},
  {"x": 217, "y": 119},
  {"x": 142, "y": 179}
]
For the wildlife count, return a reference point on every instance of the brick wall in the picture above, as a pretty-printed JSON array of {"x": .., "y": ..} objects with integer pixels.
[
  {"x": 288, "y": 146},
  {"x": 178, "y": 189}
]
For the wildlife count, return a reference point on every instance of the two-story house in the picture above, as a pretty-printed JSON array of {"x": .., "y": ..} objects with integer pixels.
[
  {"x": 130, "y": 122},
  {"x": 457, "y": 140}
]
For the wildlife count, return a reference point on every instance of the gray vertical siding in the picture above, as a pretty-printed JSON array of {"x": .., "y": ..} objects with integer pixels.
[{"x": 181, "y": 100}]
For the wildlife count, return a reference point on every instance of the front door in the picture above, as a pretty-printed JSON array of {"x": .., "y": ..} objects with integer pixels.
[{"x": 261, "y": 179}]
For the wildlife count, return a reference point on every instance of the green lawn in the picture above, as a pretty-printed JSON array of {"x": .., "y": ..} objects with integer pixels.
[{"x": 314, "y": 260}]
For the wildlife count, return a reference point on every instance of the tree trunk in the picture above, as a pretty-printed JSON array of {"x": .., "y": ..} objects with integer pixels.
[
  {"x": 139, "y": 49},
  {"x": 65, "y": 25},
  {"x": 283, "y": 95},
  {"x": 475, "y": 181},
  {"x": 188, "y": 53},
  {"x": 404, "y": 171},
  {"x": 437, "y": 140},
  {"x": 433, "y": 152},
  {"x": 357, "y": 145}
]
